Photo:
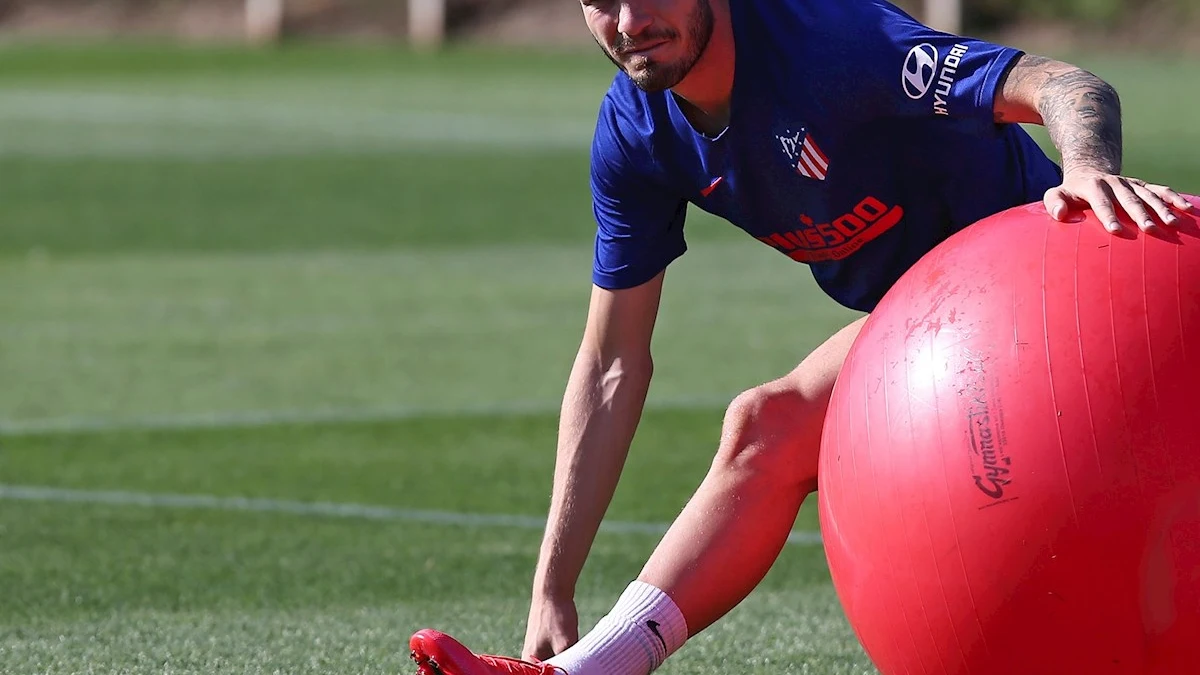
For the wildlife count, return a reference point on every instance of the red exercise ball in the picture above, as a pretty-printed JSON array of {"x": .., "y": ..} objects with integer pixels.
[{"x": 1010, "y": 466}]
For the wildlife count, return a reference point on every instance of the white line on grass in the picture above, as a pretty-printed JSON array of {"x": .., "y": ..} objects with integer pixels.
[
  {"x": 259, "y": 127},
  {"x": 263, "y": 418},
  {"x": 33, "y": 493}
]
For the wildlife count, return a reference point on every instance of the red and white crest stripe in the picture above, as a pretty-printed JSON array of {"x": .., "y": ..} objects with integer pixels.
[{"x": 813, "y": 163}]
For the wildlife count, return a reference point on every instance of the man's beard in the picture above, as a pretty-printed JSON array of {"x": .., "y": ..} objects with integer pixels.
[{"x": 655, "y": 76}]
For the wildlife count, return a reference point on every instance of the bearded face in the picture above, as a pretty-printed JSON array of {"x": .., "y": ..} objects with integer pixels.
[{"x": 655, "y": 42}]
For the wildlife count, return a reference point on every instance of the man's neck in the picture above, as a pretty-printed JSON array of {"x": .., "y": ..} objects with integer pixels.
[
  {"x": 710, "y": 121},
  {"x": 704, "y": 95}
]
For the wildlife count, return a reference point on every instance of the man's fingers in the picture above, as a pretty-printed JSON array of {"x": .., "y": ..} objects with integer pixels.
[
  {"x": 1159, "y": 202},
  {"x": 1147, "y": 205},
  {"x": 1101, "y": 200},
  {"x": 1058, "y": 204},
  {"x": 563, "y": 645},
  {"x": 1132, "y": 202},
  {"x": 540, "y": 653},
  {"x": 531, "y": 652},
  {"x": 1172, "y": 197}
]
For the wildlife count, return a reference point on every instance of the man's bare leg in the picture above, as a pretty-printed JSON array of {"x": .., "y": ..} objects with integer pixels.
[{"x": 733, "y": 528}]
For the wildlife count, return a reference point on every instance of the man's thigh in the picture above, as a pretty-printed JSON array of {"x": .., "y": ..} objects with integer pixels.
[
  {"x": 813, "y": 379},
  {"x": 788, "y": 414}
]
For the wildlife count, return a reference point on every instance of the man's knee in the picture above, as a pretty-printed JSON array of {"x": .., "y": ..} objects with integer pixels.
[{"x": 773, "y": 433}]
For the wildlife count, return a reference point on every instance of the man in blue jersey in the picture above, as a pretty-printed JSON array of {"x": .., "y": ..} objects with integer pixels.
[{"x": 841, "y": 133}]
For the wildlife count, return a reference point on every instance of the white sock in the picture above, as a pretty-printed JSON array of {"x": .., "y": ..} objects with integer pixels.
[{"x": 641, "y": 631}]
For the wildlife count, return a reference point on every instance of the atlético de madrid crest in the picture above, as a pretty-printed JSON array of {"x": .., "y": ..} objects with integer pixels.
[{"x": 803, "y": 153}]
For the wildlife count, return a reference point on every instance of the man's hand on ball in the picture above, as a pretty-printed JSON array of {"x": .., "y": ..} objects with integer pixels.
[{"x": 1146, "y": 204}]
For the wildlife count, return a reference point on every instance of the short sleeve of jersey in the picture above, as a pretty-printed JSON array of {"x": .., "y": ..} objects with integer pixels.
[
  {"x": 893, "y": 64},
  {"x": 639, "y": 223}
]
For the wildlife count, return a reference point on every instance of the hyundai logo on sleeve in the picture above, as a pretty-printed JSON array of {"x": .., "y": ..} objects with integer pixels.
[{"x": 919, "y": 70}]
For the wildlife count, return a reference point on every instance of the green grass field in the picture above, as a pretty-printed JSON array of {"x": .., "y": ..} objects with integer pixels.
[{"x": 282, "y": 337}]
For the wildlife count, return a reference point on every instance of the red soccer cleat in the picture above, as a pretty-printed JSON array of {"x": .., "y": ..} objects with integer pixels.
[{"x": 439, "y": 654}]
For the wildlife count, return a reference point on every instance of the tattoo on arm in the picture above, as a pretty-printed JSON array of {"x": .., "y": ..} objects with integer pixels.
[
  {"x": 1020, "y": 85},
  {"x": 1081, "y": 112}
]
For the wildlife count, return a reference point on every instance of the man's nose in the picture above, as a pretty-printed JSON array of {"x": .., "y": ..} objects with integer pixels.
[{"x": 632, "y": 18}]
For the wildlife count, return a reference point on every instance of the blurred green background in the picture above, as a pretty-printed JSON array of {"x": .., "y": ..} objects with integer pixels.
[{"x": 283, "y": 330}]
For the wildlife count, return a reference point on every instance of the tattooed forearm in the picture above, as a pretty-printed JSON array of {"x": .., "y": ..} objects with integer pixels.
[
  {"x": 1020, "y": 87},
  {"x": 1081, "y": 112}
]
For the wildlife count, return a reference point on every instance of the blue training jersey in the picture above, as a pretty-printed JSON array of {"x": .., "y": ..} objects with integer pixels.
[{"x": 858, "y": 140}]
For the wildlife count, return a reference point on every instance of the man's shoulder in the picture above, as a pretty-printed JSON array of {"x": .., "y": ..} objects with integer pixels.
[
  {"x": 624, "y": 103},
  {"x": 631, "y": 118},
  {"x": 813, "y": 39}
]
